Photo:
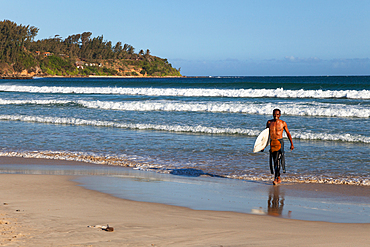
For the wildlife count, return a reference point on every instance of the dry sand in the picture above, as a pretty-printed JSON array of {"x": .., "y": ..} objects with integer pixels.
[{"x": 50, "y": 210}]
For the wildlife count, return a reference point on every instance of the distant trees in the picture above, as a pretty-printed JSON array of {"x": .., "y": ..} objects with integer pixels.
[
  {"x": 57, "y": 56},
  {"x": 13, "y": 39},
  {"x": 130, "y": 49},
  {"x": 82, "y": 46}
]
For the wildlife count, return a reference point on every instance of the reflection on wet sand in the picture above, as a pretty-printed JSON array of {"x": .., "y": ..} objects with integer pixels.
[{"x": 275, "y": 202}]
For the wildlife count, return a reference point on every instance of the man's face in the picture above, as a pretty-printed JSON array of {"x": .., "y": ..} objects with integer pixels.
[{"x": 276, "y": 115}]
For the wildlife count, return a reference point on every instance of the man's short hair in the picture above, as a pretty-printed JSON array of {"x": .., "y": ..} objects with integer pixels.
[{"x": 276, "y": 110}]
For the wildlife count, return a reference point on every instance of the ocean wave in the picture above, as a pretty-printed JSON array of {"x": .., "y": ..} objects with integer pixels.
[
  {"x": 73, "y": 156},
  {"x": 194, "y": 92},
  {"x": 125, "y": 162},
  {"x": 294, "y": 109},
  {"x": 35, "y": 102},
  {"x": 331, "y": 137},
  {"x": 159, "y": 127},
  {"x": 345, "y": 137}
]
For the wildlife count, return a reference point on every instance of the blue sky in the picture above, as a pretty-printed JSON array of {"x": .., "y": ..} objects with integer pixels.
[{"x": 213, "y": 37}]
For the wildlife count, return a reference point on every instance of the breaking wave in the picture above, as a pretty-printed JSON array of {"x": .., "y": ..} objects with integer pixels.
[
  {"x": 194, "y": 92},
  {"x": 296, "y": 109},
  {"x": 179, "y": 128}
]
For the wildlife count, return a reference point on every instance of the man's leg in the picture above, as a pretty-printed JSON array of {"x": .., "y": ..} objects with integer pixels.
[
  {"x": 276, "y": 158},
  {"x": 282, "y": 157}
]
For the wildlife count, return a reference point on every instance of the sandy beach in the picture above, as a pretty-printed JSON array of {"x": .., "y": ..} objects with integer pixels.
[{"x": 52, "y": 210}]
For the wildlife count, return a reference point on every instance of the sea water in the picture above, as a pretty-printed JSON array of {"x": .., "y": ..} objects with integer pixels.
[{"x": 193, "y": 126}]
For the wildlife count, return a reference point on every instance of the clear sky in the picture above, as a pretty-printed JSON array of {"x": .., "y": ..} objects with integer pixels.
[{"x": 214, "y": 37}]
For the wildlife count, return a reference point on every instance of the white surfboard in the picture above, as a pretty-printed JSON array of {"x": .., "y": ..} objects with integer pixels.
[{"x": 262, "y": 141}]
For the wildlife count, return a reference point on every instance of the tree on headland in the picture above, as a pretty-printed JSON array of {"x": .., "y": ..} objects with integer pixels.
[
  {"x": 147, "y": 55},
  {"x": 130, "y": 50},
  {"x": 13, "y": 38}
]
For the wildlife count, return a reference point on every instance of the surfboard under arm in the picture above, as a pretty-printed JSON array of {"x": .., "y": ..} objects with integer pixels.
[{"x": 262, "y": 140}]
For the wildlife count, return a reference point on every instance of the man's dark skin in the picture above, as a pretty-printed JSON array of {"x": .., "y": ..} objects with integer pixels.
[{"x": 277, "y": 127}]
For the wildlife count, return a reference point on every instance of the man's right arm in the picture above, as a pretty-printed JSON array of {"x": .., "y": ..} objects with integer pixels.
[{"x": 268, "y": 124}]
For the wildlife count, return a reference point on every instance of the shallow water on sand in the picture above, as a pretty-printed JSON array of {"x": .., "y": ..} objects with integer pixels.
[{"x": 220, "y": 194}]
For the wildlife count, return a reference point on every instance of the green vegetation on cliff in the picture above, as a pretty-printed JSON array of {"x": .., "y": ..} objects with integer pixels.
[{"x": 76, "y": 55}]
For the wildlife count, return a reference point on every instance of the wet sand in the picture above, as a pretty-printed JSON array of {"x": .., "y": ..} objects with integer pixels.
[{"x": 52, "y": 210}]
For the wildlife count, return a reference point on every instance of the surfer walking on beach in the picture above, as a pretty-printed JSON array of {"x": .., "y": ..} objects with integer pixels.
[{"x": 276, "y": 127}]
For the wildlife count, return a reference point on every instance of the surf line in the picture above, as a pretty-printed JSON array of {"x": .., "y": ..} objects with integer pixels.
[{"x": 195, "y": 92}]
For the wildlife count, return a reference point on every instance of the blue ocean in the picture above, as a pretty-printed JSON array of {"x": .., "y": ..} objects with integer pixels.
[{"x": 193, "y": 126}]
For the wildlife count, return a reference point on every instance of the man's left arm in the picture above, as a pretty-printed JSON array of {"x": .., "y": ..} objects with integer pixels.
[{"x": 289, "y": 136}]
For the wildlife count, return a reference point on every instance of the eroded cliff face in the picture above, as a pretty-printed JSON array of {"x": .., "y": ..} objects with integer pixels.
[
  {"x": 8, "y": 71},
  {"x": 80, "y": 68}
]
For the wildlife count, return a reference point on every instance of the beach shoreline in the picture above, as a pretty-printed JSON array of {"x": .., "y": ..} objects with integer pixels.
[
  {"x": 45, "y": 210},
  {"x": 338, "y": 189},
  {"x": 51, "y": 210}
]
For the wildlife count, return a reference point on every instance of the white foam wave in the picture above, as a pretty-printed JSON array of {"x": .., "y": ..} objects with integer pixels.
[
  {"x": 74, "y": 156},
  {"x": 194, "y": 92},
  {"x": 331, "y": 137},
  {"x": 348, "y": 180},
  {"x": 97, "y": 123},
  {"x": 295, "y": 109},
  {"x": 178, "y": 128},
  {"x": 34, "y": 102}
]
